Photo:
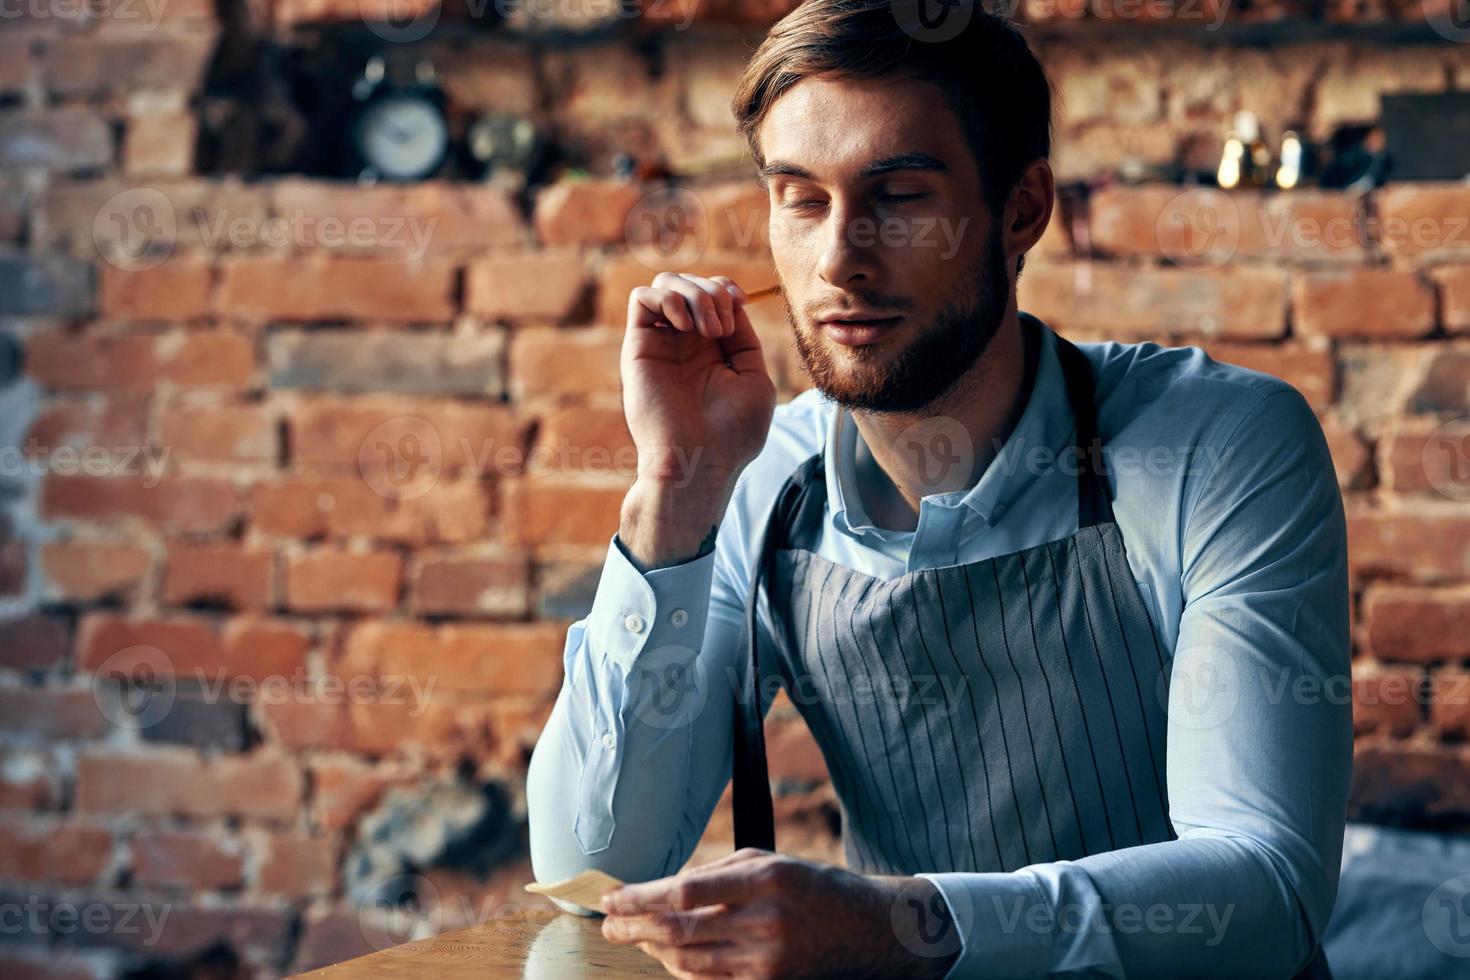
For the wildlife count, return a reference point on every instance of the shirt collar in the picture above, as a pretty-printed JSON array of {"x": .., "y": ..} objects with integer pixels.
[{"x": 1047, "y": 421}]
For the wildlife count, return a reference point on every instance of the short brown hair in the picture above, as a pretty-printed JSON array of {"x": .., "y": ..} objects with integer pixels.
[{"x": 989, "y": 76}]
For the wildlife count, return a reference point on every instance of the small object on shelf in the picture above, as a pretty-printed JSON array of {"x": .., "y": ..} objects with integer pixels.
[
  {"x": 507, "y": 147},
  {"x": 399, "y": 132},
  {"x": 1293, "y": 159}
]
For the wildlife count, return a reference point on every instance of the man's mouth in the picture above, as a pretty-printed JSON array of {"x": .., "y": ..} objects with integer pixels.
[{"x": 856, "y": 333}]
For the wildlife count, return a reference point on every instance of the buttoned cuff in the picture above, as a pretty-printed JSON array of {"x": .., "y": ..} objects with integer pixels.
[
  {"x": 664, "y": 606},
  {"x": 1004, "y": 922}
]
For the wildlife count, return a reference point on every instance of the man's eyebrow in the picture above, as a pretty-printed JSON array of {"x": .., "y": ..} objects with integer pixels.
[{"x": 902, "y": 161}]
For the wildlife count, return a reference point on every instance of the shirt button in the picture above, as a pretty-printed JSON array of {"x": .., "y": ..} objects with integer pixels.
[
  {"x": 608, "y": 741},
  {"x": 634, "y": 622},
  {"x": 678, "y": 617},
  {"x": 1000, "y": 511}
]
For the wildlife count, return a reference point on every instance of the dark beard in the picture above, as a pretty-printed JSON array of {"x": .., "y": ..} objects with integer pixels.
[{"x": 936, "y": 359}]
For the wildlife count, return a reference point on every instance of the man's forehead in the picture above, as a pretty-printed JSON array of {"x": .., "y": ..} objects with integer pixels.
[{"x": 829, "y": 127}]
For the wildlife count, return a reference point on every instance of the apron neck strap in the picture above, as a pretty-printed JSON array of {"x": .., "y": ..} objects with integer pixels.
[{"x": 1094, "y": 497}]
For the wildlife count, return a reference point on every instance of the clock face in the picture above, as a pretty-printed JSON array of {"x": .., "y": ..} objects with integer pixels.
[{"x": 403, "y": 137}]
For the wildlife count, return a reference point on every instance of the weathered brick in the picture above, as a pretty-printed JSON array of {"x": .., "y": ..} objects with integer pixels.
[
  {"x": 88, "y": 66},
  {"x": 1387, "y": 700},
  {"x": 336, "y": 433},
  {"x": 574, "y": 439},
  {"x": 188, "y": 933},
  {"x": 182, "y": 504},
  {"x": 1444, "y": 386},
  {"x": 219, "y": 575},
  {"x": 547, "y": 510},
  {"x": 177, "y": 289},
  {"x": 68, "y": 139},
  {"x": 503, "y": 658},
  {"x": 1416, "y": 625},
  {"x": 94, "y": 570},
  {"x": 219, "y": 433},
  {"x": 1116, "y": 301},
  {"x": 43, "y": 285},
  {"x": 163, "y": 783},
  {"x": 297, "y": 866},
  {"x": 1208, "y": 227},
  {"x": 160, "y": 145},
  {"x": 180, "y": 859},
  {"x": 1398, "y": 784},
  {"x": 324, "y": 581},
  {"x": 1350, "y": 455},
  {"x": 64, "y": 853},
  {"x": 214, "y": 717},
  {"x": 314, "y": 507},
  {"x": 373, "y": 361},
  {"x": 1362, "y": 303},
  {"x": 389, "y": 290},
  {"x": 584, "y": 211},
  {"x": 1421, "y": 547},
  {"x": 33, "y": 643},
  {"x": 139, "y": 361},
  {"x": 1424, "y": 456},
  {"x": 344, "y": 788},
  {"x": 117, "y": 422},
  {"x": 1449, "y": 712},
  {"x": 473, "y": 586},
  {"x": 1423, "y": 220},
  {"x": 432, "y": 217},
  {"x": 548, "y": 285},
  {"x": 105, "y": 216},
  {"x": 1348, "y": 91},
  {"x": 552, "y": 363},
  {"x": 192, "y": 647},
  {"x": 51, "y": 713},
  {"x": 1454, "y": 289}
]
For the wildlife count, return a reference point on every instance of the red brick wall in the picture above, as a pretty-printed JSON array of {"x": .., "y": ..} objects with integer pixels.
[{"x": 283, "y": 457}]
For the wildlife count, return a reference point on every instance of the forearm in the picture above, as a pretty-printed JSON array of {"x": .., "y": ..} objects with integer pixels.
[{"x": 622, "y": 777}]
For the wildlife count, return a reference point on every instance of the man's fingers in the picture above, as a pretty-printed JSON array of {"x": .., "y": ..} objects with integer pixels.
[
  {"x": 700, "y": 963},
  {"x": 742, "y": 349},
  {"x": 703, "y": 297},
  {"x": 713, "y": 923},
  {"x": 733, "y": 885}
]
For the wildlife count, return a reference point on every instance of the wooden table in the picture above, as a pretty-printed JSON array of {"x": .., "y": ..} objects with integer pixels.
[{"x": 534, "y": 943}]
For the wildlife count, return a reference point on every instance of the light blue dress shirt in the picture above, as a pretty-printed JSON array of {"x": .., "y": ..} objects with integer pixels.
[{"x": 1228, "y": 504}]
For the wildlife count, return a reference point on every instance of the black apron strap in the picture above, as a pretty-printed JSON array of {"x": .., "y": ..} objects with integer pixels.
[
  {"x": 755, "y": 823},
  {"x": 1094, "y": 497}
]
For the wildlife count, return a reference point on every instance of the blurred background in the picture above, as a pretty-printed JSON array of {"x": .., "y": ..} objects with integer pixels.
[{"x": 311, "y": 445}]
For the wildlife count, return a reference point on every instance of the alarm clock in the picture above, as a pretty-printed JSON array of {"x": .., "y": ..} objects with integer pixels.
[{"x": 398, "y": 132}]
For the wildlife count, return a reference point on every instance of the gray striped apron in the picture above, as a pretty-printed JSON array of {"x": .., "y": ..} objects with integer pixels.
[{"x": 977, "y": 717}]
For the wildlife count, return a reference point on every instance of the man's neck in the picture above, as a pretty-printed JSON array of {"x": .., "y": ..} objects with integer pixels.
[{"x": 895, "y": 470}]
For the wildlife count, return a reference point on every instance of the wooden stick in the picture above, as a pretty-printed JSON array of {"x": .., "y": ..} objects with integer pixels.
[{"x": 763, "y": 293}]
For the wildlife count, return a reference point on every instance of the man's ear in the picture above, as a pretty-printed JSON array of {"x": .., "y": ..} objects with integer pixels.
[{"x": 1028, "y": 210}]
